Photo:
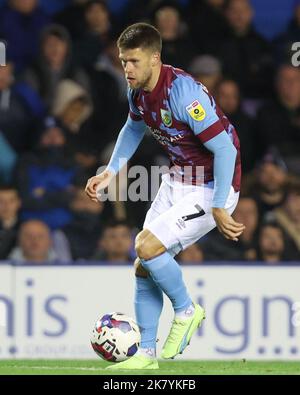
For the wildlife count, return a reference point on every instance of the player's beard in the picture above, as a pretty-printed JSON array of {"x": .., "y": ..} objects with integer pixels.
[{"x": 145, "y": 81}]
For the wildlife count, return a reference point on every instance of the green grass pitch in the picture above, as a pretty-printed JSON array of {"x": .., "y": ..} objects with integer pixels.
[{"x": 82, "y": 367}]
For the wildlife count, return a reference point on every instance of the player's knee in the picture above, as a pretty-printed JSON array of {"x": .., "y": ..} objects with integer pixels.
[
  {"x": 139, "y": 270},
  {"x": 143, "y": 247},
  {"x": 147, "y": 246}
]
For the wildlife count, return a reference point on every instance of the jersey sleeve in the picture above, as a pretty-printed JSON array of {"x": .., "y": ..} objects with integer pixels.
[
  {"x": 191, "y": 104},
  {"x": 127, "y": 143},
  {"x": 224, "y": 161},
  {"x": 133, "y": 111}
]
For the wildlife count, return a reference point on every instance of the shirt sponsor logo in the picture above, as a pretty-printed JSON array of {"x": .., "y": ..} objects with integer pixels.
[
  {"x": 196, "y": 111},
  {"x": 163, "y": 139}
]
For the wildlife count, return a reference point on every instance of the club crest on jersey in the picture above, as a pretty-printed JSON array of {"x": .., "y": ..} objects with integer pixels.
[
  {"x": 166, "y": 117},
  {"x": 196, "y": 111}
]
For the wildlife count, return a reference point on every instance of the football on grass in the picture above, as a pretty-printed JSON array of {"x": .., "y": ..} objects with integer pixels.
[{"x": 116, "y": 337}]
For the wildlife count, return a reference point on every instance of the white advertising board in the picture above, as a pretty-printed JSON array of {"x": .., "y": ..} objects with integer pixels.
[{"x": 48, "y": 312}]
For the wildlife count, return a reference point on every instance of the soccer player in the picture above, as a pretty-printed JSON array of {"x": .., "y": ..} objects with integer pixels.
[{"x": 184, "y": 118}]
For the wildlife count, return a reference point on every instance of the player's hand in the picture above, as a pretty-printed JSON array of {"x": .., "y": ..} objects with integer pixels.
[
  {"x": 101, "y": 181},
  {"x": 226, "y": 224}
]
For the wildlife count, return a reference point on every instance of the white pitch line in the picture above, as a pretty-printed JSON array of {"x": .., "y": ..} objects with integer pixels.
[
  {"x": 69, "y": 368},
  {"x": 51, "y": 367}
]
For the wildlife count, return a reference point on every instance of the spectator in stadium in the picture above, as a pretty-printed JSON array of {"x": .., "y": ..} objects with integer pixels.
[
  {"x": 246, "y": 55},
  {"x": 109, "y": 92},
  {"x": 8, "y": 160},
  {"x": 115, "y": 244},
  {"x": 267, "y": 183},
  {"x": 72, "y": 18},
  {"x": 110, "y": 63},
  {"x": 72, "y": 106},
  {"x": 207, "y": 24},
  {"x": 283, "y": 43},
  {"x": 20, "y": 106},
  {"x": 54, "y": 64},
  {"x": 46, "y": 178},
  {"x": 283, "y": 114},
  {"x": 137, "y": 10},
  {"x": 206, "y": 69},
  {"x": 34, "y": 245},
  {"x": 192, "y": 254},
  {"x": 271, "y": 245},
  {"x": 216, "y": 248},
  {"x": 228, "y": 97},
  {"x": 288, "y": 217},
  {"x": 88, "y": 160},
  {"x": 21, "y": 22},
  {"x": 177, "y": 48},
  {"x": 97, "y": 29},
  {"x": 10, "y": 204},
  {"x": 85, "y": 229},
  {"x": 247, "y": 212}
]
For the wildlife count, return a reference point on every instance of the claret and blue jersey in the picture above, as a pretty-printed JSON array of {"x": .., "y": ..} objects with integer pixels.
[
  {"x": 182, "y": 116},
  {"x": 185, "y": 119}
]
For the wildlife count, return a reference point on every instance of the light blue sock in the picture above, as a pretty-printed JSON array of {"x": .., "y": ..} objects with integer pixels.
[
  {"x": 167, "y": 274},
  {"x": 148, "y": 306}
]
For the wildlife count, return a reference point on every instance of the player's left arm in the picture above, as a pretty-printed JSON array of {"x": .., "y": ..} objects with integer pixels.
[
  {"x": 192, "y": 105},
  {"x": 224, "y": 162}
]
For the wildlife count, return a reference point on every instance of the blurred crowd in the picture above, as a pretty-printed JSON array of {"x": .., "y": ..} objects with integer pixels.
[{"x": 63, "y": 100}]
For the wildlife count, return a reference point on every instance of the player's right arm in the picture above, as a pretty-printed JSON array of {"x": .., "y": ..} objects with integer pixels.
[{"x": 127, "y": 143}]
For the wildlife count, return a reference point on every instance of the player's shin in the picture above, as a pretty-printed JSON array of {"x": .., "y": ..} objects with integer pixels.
[
  {"x": 167, "y": 274},
  {"x": 148, "y": 307}
]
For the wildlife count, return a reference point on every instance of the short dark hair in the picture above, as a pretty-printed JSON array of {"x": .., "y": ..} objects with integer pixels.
[
  {"x": 271, "y": 224},
  {"x": 293, "y": 188},
  {"x": 114, "y": 223},
  {"x": 8, "y": 187},
  {"x": 140, "y": 35},
  {"x": 101, "y": 3}
]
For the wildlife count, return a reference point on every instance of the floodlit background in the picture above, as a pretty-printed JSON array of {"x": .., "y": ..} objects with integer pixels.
[{"x": 66, "y": 261}]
